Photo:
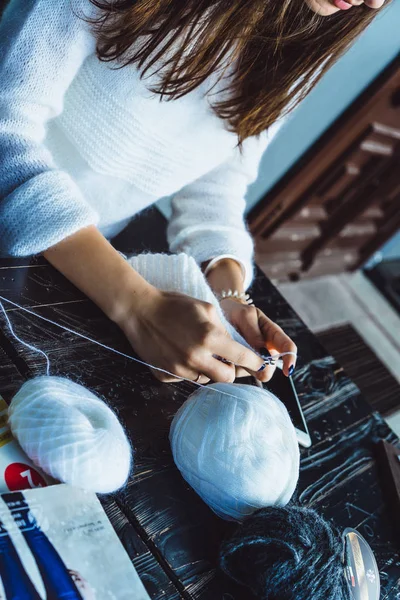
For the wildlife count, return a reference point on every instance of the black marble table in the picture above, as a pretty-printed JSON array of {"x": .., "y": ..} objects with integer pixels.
[{"x": 169, "y": 533}]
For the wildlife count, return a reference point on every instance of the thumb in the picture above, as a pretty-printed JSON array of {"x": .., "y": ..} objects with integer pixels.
[{"x": 249, "y": 327}]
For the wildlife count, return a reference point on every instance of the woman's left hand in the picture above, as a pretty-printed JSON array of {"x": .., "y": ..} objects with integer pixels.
[
  {"x": 260, "y": 332},
  {"x": 256, "y": 328}
]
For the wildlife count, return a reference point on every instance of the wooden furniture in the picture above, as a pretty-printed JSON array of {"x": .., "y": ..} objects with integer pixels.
[
  {"x": 341, "y": 202},
  {"x": 169, "y": 533}
]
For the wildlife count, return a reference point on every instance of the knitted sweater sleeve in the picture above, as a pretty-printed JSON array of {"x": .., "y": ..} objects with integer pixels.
[
  {"x": 208, "y": 215},
  {"x": 42, "y": 46}
]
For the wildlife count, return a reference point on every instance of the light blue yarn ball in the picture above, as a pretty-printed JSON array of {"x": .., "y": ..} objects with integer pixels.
[
  {"x": 237, "y": 447},
  {"x": 71, "y": 434}
]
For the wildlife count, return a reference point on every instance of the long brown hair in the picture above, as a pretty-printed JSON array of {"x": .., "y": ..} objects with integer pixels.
[{"x": 279, "y": 49}]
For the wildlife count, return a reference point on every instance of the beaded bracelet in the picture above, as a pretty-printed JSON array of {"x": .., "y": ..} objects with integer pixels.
[{"x": 235, "y": 295}]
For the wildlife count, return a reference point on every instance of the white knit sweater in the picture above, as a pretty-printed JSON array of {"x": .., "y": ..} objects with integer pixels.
[{"x": 84, "y": 143}]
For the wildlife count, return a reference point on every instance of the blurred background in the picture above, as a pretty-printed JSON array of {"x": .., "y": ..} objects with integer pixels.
[{"x": 325, "y": 212}]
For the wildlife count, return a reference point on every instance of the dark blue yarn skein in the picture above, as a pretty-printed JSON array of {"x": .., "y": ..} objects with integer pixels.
[{"x": 287, "y": 553}]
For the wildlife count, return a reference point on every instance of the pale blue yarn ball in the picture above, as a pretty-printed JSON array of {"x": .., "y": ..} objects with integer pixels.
[
  {"x": 71, "y": 434},
  {"x": 236, "y": 446}
]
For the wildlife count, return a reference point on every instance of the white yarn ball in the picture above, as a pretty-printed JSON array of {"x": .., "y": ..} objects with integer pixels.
[
  {"x": 238, "y": 449},
  {"x": 70, "y": 434}
]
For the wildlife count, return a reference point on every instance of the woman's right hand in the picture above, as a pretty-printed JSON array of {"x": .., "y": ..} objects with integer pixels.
[
  {"x": 170, "y": 331},
  {"x": 182, "y": 335}
]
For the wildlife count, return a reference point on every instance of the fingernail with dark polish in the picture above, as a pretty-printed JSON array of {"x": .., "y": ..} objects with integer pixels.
[
  {"x": 291, "y": 370},
  {"x": 262, "y": 367}
]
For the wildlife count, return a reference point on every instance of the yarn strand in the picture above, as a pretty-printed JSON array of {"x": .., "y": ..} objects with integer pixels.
[
  {"x": 38, "y": 350},
  {"x": 104, "y": 346}
]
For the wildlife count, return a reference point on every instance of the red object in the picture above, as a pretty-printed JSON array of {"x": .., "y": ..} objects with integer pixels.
[{"x": 19, "y": 476}]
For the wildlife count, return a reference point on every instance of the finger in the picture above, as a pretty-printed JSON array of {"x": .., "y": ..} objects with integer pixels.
[
  {"x": 375, "y": 3},
  {"x": 240, "y": 372},
  {"x": 203, "y": 380},
  {"x": 277, "y": 341},
  {"x": 237, "y": 353},
  {"x": 164, "y": 377},
  {"x": 176, "y": 375},
  {"x": 249, "y": 327},
  {"x": 216, "y": 370},
  {"x": 266, "y": 374}
]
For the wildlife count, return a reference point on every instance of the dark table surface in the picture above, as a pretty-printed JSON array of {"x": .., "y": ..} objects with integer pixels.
[{"x": 169, "y": 533}]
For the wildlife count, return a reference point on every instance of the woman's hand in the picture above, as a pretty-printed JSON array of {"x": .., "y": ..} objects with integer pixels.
[
  {"x": 256, "y": 328},
  {"x": 260, "y": 332},
  {"x": 183, "y": 336},
  {"x": 171, "y": 331}
]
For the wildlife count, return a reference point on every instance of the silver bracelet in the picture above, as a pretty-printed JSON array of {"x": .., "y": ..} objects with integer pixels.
[{"x": 235, "y": 295}]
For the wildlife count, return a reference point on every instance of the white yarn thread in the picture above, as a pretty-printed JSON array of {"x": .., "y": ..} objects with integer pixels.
[
  {"x": 178, "y": 273},
  {"x": 71, "y": 434},
  {"x": 240, "y": 453},
  {"x": 111, "y": 349},
  {"x": 38, "y": 350}
]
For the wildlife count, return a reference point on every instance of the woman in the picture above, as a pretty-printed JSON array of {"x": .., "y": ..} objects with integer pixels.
[{"x": 108, "y": 105}]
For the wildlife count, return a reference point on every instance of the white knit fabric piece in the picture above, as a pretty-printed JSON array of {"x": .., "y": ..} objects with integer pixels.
[
  {"x": 237, "y": 449},
  {"x": 180, "y": 273},
  {"x": 84, "y": 143}
]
